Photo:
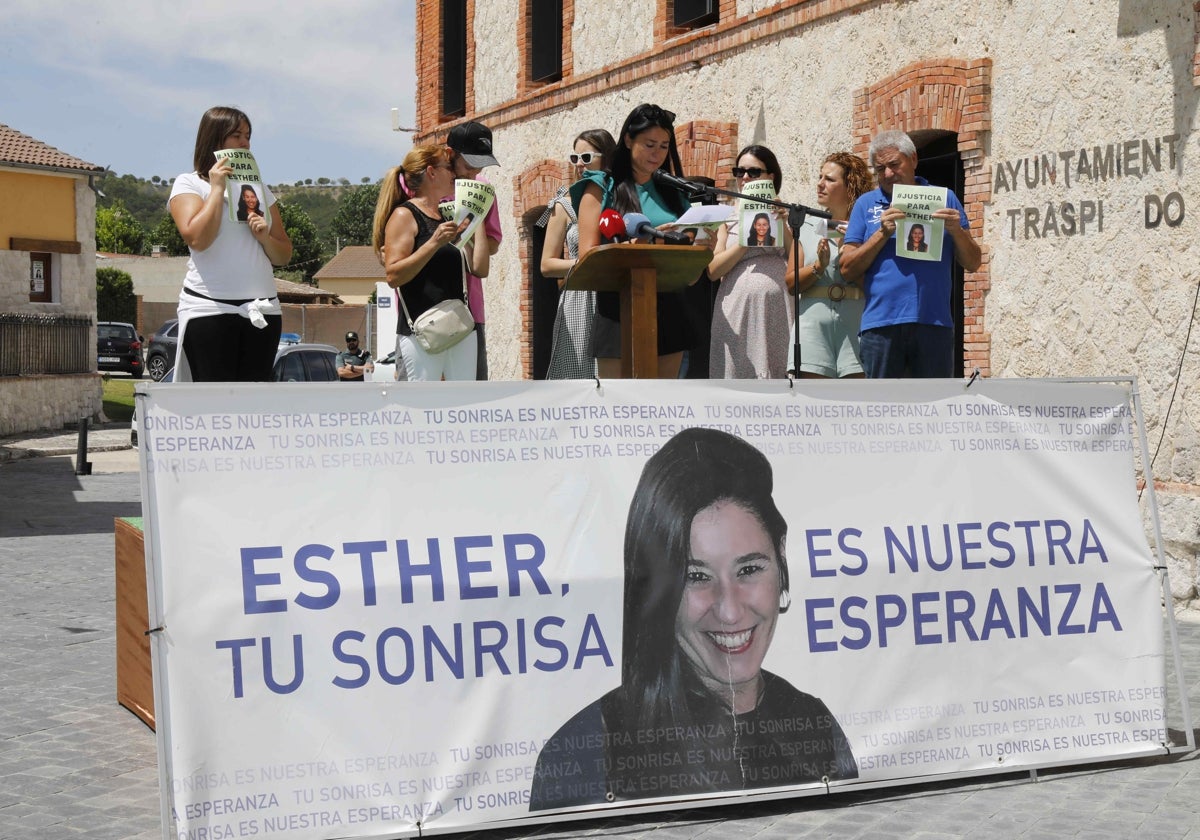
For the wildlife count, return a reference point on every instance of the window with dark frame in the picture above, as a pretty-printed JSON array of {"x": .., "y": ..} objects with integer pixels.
[
  {"x": 454, "y": 58},
  {"x": 692, "y": 14},
  {"x": 545, "y": 40},
  {"x": 41, "y": 278}
]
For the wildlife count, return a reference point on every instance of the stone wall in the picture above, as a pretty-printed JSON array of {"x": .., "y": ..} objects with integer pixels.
[{"x": 29, "y": 403}]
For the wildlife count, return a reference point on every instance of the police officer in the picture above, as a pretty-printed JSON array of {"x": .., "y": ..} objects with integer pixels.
[{"x": 352, "y": 362}]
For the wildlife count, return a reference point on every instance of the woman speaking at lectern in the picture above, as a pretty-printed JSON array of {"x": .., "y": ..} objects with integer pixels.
[{"x": 646, "y": 143}]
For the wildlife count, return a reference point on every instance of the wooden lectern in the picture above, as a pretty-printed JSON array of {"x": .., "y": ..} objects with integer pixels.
[{"x": 638, "y": 272}]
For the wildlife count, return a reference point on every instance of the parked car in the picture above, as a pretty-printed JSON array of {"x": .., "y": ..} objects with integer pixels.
[
  {"x": 293, "y": 363},
  {"x": 161, "y": 349},
  {"x": 306, "y": 363},
  {"x": 119, "y": 347}
]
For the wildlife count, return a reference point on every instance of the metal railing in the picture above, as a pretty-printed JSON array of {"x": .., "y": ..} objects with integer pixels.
[{"x": 45, "y": 344}]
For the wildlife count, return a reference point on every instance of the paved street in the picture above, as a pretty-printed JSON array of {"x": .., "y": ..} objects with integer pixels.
[{"x": 75, "y": 764}]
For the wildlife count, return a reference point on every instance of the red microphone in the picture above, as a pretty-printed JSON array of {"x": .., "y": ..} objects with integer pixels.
[{"x": 612, "y": 226}]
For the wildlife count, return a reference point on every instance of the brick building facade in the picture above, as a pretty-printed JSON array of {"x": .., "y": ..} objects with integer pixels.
[{"x": 1071, "y": 130}]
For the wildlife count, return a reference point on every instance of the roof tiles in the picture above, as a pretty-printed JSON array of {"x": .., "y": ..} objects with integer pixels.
[{"x": 17, "y": 149}]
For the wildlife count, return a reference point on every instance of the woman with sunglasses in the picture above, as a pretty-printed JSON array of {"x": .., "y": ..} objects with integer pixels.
[
  {"x": 571, "y": 351},
  {"x": 646, "y": 144},
  {"x": 415, "y": 246},
  {"x": 752, "y": 314},
  {"x": 831, "y": 308}
]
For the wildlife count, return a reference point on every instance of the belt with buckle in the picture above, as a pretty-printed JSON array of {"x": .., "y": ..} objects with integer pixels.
[{"x": 836, "y": 292}]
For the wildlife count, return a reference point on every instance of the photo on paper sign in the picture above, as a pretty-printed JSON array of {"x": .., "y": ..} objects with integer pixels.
[
  {"x": 245, "y": 196},
  {"x": 464, "y": 225},
  {"x": 760, "y": 229},
  {"x": 919, "y": 240},
  {"x": 472, "y": 201},
  {"x": 758, "y": 226},
  {"x": 919, "y": 235}
]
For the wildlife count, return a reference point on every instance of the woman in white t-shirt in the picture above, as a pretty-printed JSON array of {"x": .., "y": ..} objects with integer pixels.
[{"x": 229, "y": 316}]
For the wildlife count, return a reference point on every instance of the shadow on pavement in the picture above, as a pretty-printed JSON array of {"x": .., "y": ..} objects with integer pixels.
[{"x": 44, "y": 497}]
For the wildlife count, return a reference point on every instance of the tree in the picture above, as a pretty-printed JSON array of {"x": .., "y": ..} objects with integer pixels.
[
  {"x": 115, "y": 300},
  {"x": 356, "y": 215},
  {"x": 319, "y": 205},
  {"x": 141, "y": 198},
  {"x": 117, "y": 231},
  {"x": 166, "y": 234},
  {"x": 306, "y": 243}
]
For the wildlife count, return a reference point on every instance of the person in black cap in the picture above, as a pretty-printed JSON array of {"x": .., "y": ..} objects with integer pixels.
[
  {"x": 470, "y": 146},
  {"x": 352, "y": 362}
]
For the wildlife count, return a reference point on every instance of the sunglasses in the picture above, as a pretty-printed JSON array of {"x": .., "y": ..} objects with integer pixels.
[
  {"x": 752, "y": 172},
  {"x": 655, "y": 114},
  {"x": 585, "y": 158}
]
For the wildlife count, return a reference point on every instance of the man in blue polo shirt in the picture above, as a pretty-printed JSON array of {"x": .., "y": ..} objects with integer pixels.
[{"x": 906, "y": 324}]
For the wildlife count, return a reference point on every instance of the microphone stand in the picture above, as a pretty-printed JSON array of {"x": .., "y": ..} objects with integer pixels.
[{"x": 795, "y": 217}]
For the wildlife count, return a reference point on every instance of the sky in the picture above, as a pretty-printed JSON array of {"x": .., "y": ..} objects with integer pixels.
[{"x": 123, "y": 85}]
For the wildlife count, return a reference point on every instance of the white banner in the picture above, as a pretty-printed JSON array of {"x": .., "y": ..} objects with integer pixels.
[{"x": 394, "y": 608}]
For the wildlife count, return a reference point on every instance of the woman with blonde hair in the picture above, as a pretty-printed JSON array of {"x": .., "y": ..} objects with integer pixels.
[
  {"x": 831, "y": 307},
  {"x": 416, "y": 248}
]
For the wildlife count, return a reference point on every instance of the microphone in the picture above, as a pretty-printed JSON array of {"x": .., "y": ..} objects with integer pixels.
[
  {"x": 641, "y": 227},
  {"x": 663, "y": 178},
  {"x": 612, "y": 226}
]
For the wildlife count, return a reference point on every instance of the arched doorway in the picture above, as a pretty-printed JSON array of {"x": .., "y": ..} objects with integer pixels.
[{"x": 939, "y": 163}]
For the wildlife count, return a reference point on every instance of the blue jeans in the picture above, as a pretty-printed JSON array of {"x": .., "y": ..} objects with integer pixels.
[{"x": 917, "y": 351}]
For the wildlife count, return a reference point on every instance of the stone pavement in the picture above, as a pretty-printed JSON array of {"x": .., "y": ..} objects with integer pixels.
[{"x": 75, "y": 764}]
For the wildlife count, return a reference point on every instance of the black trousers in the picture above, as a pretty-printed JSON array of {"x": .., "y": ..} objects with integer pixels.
[{"x": 228, "y": 348}]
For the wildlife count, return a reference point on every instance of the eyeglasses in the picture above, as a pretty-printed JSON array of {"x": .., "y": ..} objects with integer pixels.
[
  {"x": 585, "y": 158},
  {"x": 751, "y": 172}
]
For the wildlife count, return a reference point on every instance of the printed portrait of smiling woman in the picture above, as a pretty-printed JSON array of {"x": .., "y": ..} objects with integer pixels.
[
  {"x": 706, "y": 580},
  {"x": 916, "y": 238}
]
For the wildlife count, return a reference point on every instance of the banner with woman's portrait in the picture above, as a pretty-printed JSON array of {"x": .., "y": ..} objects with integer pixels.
[{"x": 568, "y": 598}]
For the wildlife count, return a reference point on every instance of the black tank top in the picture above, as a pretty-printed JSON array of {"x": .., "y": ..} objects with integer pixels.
[{"x": 439, "y": 279}]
